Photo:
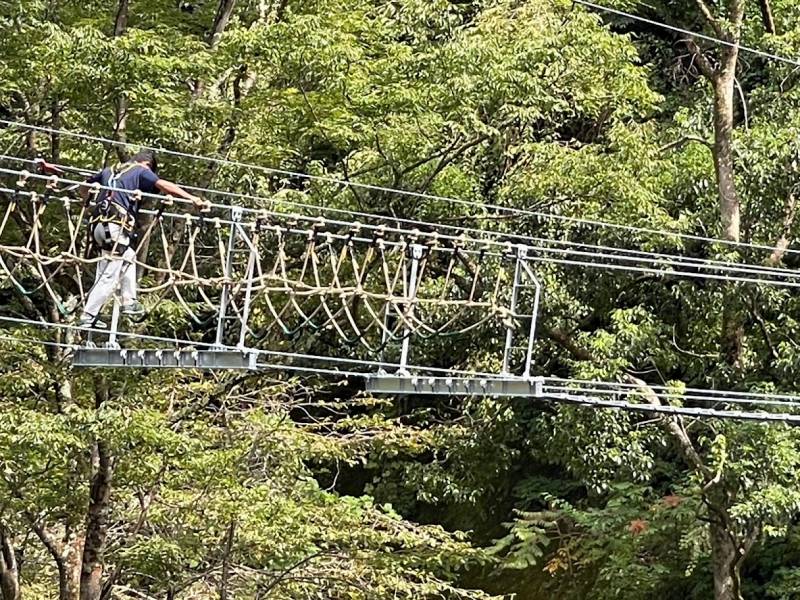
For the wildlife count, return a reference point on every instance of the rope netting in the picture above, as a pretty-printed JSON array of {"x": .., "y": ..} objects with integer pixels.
[{"x": 262, "y": 277}]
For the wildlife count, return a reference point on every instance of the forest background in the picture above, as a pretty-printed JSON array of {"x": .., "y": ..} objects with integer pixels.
[{"x": 182, "y": 485}]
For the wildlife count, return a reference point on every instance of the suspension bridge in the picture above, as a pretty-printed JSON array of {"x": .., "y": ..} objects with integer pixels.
[{"x": 236, "y": 287}]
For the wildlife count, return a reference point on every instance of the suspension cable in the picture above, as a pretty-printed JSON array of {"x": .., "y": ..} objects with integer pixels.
[
  {"x": 677, "y": 263},
  {"x": 421, "y": 195}
]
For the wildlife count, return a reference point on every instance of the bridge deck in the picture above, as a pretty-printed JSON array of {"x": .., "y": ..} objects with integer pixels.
[
  {"x": 449, "y": 386},
  {"x": 181, "y": 359}
]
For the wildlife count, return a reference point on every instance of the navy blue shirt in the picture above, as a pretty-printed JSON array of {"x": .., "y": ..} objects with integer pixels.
[{"x": 132, "y": 178}]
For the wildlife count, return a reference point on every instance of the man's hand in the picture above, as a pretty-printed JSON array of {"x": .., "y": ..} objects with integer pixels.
[
  {"x": 45, "y": 167},
  {"x": 201, "y": 204}
]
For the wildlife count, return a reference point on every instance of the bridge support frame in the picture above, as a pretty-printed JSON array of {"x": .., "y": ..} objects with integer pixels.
[{"x": 154, "y": 359}]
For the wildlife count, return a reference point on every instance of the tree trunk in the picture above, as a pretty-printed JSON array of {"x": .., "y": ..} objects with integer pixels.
[
  {"x": 224, "y": 12},
  {"x": 97, "y": 516},
  {"x": 732, "y": 338},
  {"x": 55, "y": 137},
  {"x": 766, "y": 16},
  {"x": 725, "y": 563},
  {"x": 97, "y": 527},
  {"x": 226, "y": 563},
  {"x": 121, "y": 102},
  {"x": 70, "y": 569},
  {"x": 121, "y": 20},
  {"x": 9, "y": 571},
  {"x": 723, "y": 155}
]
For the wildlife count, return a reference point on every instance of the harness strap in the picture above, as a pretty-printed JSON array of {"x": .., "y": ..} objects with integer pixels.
[
  {"x": 117, "y": 172},
  {"x": 109, "y": 245},
  {"x": 112, "y": 212}
]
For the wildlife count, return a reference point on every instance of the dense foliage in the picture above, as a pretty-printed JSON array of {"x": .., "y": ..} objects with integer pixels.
[{"x": 181, "y": 485}]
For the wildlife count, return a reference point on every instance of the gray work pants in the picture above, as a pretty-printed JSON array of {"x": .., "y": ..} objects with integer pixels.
[{"x": 113, "y": 271}]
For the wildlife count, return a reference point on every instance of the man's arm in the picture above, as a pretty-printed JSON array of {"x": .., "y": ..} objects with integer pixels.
[{"x": 169, "y": 188}]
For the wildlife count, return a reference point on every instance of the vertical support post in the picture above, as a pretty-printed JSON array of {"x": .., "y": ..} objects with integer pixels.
[
  {"x": 114, "y": 327},
  {"x": 385, "y": 332},
  {"x": 534, "y": 318},
  {"x": 417, "y": 251},
  {"x": 521, "y": 253},
  {"x": 251, "y": 259},
  {"x": 236, "y": 217}
]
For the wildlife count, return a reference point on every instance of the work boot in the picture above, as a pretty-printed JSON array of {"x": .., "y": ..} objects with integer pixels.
[{"x": 134, "y": 309}]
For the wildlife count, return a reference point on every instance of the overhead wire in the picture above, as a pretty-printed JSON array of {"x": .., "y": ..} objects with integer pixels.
[
  {"x": 409, "y": 193},
  {"x": 702, "y": 36}
]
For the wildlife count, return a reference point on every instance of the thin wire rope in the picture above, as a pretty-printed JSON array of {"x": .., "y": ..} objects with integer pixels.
[
  {"x": 688, "y": 32},
  {"x": 759, "y": 417},
  {"x": 50, "y": 343},
  {"x": 260, "y": 351},
  {"x": 421, "y": 195},
  {"x": 598, "y": 389},
  {"x": 613, "y": 267},
  {"x": 686, "y": 389},
  {"x": 262, "y": 212}
]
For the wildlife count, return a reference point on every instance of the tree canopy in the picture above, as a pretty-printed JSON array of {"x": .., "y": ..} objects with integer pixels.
[{"x": 267, "y": 485}]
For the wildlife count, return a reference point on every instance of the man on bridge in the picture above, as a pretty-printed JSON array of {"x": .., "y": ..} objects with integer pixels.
[{"x": 112, "y": 227}]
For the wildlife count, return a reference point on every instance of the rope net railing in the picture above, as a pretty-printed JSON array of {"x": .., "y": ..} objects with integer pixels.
[
  {"x": 252, "y": 279},
  {"x": 273, "y": 275},
  {"x": 546, "y": 250}
]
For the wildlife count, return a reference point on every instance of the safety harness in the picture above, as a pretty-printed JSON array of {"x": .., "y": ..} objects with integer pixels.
[{"x": 109, "y": 211}]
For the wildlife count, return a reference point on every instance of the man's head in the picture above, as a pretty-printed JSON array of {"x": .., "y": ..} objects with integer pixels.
[{"x": 147, "y": 157}]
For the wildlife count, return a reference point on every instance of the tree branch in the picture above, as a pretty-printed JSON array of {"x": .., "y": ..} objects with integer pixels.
[
  {"x": 680, "y": 143},
  {"x": 9, "y": 569},
  {"x": 766, "y": 16},
  {"x": 563, "y": 339},
  {"x": 675, "y": 427},
  {"x": 789, "y": 212},
  {"x": 706, "y": 68},
  {"x": 121, "y": 102},
  {"x": 711, "y": 19}
]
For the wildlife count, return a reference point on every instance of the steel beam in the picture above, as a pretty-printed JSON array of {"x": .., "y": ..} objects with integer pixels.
[
  {"x": 451, "y": 386},
  {"x": 178, "y": 359}
]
